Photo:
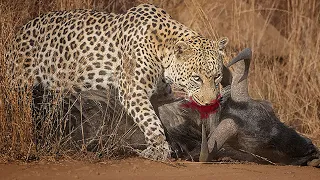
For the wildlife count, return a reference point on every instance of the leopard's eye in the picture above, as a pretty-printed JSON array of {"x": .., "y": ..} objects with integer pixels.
[
  {"x": 197, "y": 78},
  {"x": 217, "y": 77}
]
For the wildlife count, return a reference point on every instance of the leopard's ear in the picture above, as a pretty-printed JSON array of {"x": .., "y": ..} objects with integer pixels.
[
  {"x": 181, "y": 49},
  {"x": 222, "y": 43}
]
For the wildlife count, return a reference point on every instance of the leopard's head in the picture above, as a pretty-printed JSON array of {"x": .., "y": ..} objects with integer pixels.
[{"x": 195, "y": 68}]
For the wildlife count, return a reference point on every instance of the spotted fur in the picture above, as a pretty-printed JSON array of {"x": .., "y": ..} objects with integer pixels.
[{"x": 134, "y": 52}]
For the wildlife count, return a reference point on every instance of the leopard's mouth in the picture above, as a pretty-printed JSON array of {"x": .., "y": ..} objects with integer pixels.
[
  {"x": 180, "y": 93},
  {"x": 194, "y": 99},
  {"x": 204, "y": 110}
]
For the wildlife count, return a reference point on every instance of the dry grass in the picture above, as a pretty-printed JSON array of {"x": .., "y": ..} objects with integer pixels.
[
  {"x": 15, "y": 117},
  {"x": 291, "y": 82}
]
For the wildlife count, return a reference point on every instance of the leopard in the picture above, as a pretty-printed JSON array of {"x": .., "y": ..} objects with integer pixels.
[{"x": 136, "y": 52}]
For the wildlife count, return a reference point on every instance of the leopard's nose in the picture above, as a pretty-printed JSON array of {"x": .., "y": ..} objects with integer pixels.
[{"x": 207, "y": 102}]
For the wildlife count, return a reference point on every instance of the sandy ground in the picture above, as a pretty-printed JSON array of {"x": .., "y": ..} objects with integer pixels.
[{"x": 137, "y": 168}]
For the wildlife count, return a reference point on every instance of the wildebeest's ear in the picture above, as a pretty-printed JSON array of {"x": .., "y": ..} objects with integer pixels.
[
  {"x": 222, "y": 43},
  {"x": 227, "y": 77}
]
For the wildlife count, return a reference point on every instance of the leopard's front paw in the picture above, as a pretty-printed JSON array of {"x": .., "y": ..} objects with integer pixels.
[{"x": 160, "y": 152}]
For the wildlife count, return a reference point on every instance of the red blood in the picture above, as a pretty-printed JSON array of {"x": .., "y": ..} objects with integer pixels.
[{"x": 206, "y": 110}]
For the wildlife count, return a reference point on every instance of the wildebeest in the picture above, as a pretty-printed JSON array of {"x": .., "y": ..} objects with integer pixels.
[{"x": 244, "y": 124}]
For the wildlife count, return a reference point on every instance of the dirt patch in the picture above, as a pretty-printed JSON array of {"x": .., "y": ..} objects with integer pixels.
[{"x": 137, "y": 168}]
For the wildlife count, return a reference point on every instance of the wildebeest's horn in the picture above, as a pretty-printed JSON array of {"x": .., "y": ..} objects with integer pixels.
[
  {"x": 245, "y": 55},
  {"x": 204, "y": 153}
]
